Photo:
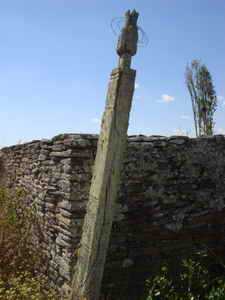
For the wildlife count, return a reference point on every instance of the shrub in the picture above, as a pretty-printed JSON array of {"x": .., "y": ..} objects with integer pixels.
[
  {"x": 20, "y": 257},
  {"x": 25, "y": 286},
  {"x": 194, "y": 282}
]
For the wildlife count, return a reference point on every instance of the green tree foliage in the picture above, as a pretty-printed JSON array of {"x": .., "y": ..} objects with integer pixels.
[
  {"x": 203, "y": 97},
  {"x": 21, "y": 258}
]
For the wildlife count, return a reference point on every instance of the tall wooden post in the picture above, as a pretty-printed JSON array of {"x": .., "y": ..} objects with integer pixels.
[{"x": 89, "y": 269}]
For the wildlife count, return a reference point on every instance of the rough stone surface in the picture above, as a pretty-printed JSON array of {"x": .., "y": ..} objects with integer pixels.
[{"x": 172, "y": 199}]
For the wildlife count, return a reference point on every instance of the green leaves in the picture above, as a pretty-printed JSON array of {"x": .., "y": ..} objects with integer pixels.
[
  {"x": 21, "y": 258},
  {"x": 194, "y": 282},
  {"x": 26, "y": 287},
  {"x": 203, "y": 97}
]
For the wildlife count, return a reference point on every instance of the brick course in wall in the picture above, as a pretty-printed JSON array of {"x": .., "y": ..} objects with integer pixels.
[{"x": 171, "y": 200}]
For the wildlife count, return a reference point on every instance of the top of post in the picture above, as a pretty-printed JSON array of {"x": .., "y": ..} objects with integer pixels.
[
  {"x": 131, "y": 18},
  {"x": 128, "y": 39}
]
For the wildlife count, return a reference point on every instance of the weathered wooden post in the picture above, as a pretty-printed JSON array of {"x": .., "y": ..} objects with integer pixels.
[{"x": 89, "y": 269}]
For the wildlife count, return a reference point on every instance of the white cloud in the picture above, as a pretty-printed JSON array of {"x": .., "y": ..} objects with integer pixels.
[
  {"x": 185, "y": 117},
  {"x": 167, "y": 98},
  {"x": 136, "y": 86},
  {"x": 96, "y": 120},
  {"x": 180, "y": 131}
]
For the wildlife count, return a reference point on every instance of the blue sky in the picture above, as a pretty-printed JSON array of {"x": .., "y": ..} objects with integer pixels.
[{"x": 56, "y": 57}]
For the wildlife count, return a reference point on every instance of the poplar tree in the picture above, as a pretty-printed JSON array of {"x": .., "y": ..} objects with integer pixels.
[{"x": 203, "y": 97}]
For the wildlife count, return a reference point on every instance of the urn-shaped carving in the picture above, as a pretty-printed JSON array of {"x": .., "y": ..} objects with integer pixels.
[{"x": 127, "y": 43}]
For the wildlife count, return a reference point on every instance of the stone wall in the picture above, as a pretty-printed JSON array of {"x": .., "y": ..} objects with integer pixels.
[{"x": 172, "y": 200}]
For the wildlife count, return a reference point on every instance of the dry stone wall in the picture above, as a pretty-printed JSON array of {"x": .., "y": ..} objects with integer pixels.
[{"x": 171, "y": 200}]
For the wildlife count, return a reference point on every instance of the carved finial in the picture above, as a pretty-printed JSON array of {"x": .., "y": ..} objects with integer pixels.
[
  {"x": 128, "y": 39},
  {"x": 131, "y": 18}
]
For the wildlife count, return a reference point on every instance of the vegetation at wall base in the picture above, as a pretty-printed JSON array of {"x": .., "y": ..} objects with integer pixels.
[
  {"x": 196, "y": 280},
  {"x": 20, "y": 257}
]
